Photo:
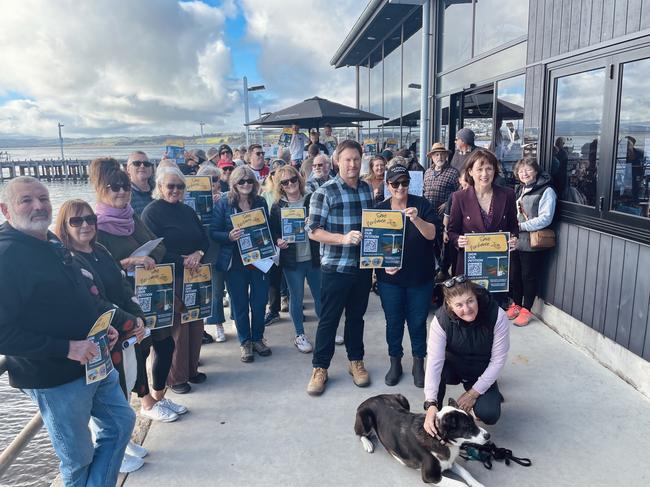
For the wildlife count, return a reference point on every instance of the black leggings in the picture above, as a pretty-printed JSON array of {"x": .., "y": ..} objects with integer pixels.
[
  {"x": 525, "y": 276},
  {"x": 162, "y": 361}
]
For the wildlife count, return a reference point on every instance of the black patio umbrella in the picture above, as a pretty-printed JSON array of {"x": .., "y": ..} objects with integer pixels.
[{"x": 315, "y": 112}]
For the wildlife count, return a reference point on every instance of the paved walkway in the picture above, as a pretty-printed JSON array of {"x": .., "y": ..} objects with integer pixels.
[{"x": 254, "y": 425}]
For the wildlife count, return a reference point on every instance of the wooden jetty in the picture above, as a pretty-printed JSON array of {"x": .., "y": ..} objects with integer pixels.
[{"x": 47, "y": 169}]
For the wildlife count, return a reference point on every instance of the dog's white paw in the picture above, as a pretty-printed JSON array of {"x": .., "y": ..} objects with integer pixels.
[
  {"x": 367, "y": 444},
  {"x": 475, "y": 484}
]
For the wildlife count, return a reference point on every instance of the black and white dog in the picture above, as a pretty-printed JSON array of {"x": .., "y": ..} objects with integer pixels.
[{"x": 402, "y": 434}]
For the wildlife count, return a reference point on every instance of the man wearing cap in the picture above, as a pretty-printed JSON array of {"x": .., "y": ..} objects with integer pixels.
[
  {"x": 225, "y": 154},
  {"x": 464, "y": 147},
  {"x": 329, "y": 140},
  {"x": 314, "y": 139},
  {"x": 297, "y": 145}
]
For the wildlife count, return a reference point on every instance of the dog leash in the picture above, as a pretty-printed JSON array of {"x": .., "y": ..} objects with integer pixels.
[{"x": 488, "y": 452}]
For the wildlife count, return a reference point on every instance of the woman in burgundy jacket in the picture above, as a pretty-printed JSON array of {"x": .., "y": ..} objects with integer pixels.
[{"x": 483, "y": 207}]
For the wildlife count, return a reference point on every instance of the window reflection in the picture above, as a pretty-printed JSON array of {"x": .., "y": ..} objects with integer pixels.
[
  {"x": 577, "y": 127},
  {"x": 498, "y": 22},
  {"x": 631, "y": 188},
  {"x": 508, "y": 142},
  {"x": 477, "y": 115},
  {"x": 412, "y": 72},
  {"x": 364, "y": 96},
  {"x": 442, "y": 114},
  {"x": 376, "y": 106},
  {"x": 456, "y": 27}
]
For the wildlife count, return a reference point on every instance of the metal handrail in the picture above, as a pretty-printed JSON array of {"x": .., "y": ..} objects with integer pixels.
[{"x": 23, "y": 438}]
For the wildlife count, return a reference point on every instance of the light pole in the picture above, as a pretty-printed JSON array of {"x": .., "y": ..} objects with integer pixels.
[
  {"x": 202, "y": 141},
  {"x": 61, "y": 139},
  {"x": 246, "y": 90}
]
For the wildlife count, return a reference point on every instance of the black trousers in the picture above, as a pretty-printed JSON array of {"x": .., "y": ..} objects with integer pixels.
[
  {"x": 488, "y": 405},
  {"x": 341, "y": 292},
  {"x": 525, "y": 275}
]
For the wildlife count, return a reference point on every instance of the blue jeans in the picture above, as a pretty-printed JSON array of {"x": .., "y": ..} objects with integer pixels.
[
  {"x": 67, "y": 410},
  {"x": 248, "y": 288},
  {"x": 218, "y": 285},
  {"x": 410, "y": 304},
  {"x": 296, "y": 283}
]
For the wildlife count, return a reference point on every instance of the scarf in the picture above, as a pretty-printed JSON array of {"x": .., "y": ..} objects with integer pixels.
[{"x": 115, "y": 221}]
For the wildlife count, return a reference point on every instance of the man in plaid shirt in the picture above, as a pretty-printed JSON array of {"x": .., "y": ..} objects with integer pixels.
[{"x": 335, "y": 222}]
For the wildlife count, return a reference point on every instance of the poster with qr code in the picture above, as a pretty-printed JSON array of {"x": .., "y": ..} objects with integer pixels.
[
  {"x": 198, "y": 196},
  {"x": 382, "y": 239},
  {"x": 197, "y": 293},
  {"x": 293, "y": 225},
  {"x": 255, "y": 243},
  {"x": 155, "y": 292},
  {"x": 487, "y": 260},
  {"x": 101, "y": 365}
]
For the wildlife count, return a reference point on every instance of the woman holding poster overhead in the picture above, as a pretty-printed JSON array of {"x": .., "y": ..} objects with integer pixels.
[
  {"x": 406, "y": 292},
  {"x": 186, "y": 243},
  {"x": 248, "y": 286},
  {"x": 299, "y": 255}
]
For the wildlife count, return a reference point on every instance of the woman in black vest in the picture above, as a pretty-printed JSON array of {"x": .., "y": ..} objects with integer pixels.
[
  {"x": 468, "y": 343},
  {"x": 536, "y": 202}
]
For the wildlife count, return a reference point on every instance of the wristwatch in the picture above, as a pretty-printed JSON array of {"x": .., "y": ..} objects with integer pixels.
[{"x": 428, "y": 404}]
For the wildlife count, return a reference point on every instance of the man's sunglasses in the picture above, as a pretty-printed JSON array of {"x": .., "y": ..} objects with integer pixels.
[
  {"x": 141, "y": 163},
  {"x": 404, "y": 184},
  {"x": 259, "y": 153},
  {"x": 241, "y": 182},
  {"x": 292, "y": 180},
  {"x": 449, "y": 283},
  {"x": 115, "y": 187},
  {"x": 172, "y": 187},
  {"x": 227, "y": 169},
  {"x": 77, "y": 221},
  {"x": 225, "y": 152}
]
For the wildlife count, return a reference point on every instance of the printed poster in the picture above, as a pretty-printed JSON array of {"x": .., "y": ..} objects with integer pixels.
[
  {"x": 285, "y": 137},
  {"x": 155, "y": 292},
  {"x": 175, "y": 150},
  {"x": 293, "y": 224},
  {"x": 198, "y": 196},
  {"x": 255, "y": 243},
  {"x": 100, "y": 366},
  {"x": 382, "y": 238},
  {"x": 370, "y": 146},
  {"x": 197, "y": 293},
  {"x": 487, "y": 260}
]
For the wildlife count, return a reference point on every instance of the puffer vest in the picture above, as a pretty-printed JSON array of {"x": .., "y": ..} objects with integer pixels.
[{"x": 530, "y": 204}]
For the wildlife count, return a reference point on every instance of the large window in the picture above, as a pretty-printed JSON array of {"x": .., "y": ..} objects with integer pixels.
[
  {"x": 364, "y": 96},
  {"x": 508, "y": 137},
  {"x": 393, "y": 91},
  {"x": 456, "y": 32},
  {"x": 376, "y": 94},
  {"x": 412, "y": 72}
]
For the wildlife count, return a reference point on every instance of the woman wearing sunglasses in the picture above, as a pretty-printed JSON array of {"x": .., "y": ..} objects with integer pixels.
[
  {"x": 186, "y": 243},
  {"x": 248, "y": 286},
  {"x": 122, "y": 231},
  {"x": 140, "y": 171},
  {"x": 298, "y": 260},
  {"x": 468, "y": 343},
  {"x": 406, "y": 292}
]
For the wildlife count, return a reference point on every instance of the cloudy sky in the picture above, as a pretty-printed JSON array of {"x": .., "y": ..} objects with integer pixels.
[{"x": 138, "y": 67}]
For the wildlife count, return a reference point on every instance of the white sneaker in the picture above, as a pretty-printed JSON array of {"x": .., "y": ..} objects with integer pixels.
[
  {"x": 172, "y": 406},
  {"x": 339, "y": 340},
  {"x": 130, "y": 463},
  {"x": 136, "y": 450},
  {"x": 303, "y": 344},
  {"x": 159, "y": 413},
  {"x": 221, "y": 335},
  {"x": 226, "y": 301}
]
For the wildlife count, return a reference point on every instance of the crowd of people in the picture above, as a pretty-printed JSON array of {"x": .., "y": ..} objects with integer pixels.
[{"x": 83, "y": 267}]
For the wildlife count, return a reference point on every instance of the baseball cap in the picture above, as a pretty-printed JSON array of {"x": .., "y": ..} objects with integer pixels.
[{"x": 396, "y": 172}]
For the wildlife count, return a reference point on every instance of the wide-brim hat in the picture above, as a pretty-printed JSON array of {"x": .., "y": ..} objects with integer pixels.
[
  {"x": 213, "y": 153},
  {"x": 438, "y": 147}
]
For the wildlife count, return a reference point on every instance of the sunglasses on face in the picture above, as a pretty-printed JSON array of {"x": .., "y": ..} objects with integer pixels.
[
  {"x": 172, "y": 187},
  {"x": 77, "y": 221},
  {"x": 404, "y": 184},
  {"x": 141, "y": 163},
  {"x": 242, "y": 182},
  {"x": 225, "y": 152},
  {"x": 455, "y": 280},
  {"x": 292, "y": 180},
  {"x": 115, "y": 187},
  {"x": 259, "y": 153},
  {"x": 227, "y": 169}
]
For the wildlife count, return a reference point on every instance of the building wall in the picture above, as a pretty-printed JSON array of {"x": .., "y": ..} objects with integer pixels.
[{"x": 600, "y": 279}]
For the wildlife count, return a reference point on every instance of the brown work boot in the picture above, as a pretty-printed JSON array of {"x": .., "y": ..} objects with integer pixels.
[
  {"x": 247, "y": 351},
  {"x": 359, "y": 374},
  {"x": 317, "y": 382}
]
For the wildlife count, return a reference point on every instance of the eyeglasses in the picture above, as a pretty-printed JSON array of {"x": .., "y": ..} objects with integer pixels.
[
  {"x": 449, "y": 283},
  {"x": 259, "y": 153},
  {"x": 115, "y": 187},
  {"x": 316, "y": 165},
  {"x": 225, "y": 152},
  {"x": 215, "y": 179},
  {"x": 287, "y": 182},
  {"x": 77, "y": 221},
  {"x": 404, "y": 184},
  {"x": 172, "y": 187},
  {"x": 227, "y": 169},
  {"x": 241, "y": 182},
  {"x": 141, "y": 163}
]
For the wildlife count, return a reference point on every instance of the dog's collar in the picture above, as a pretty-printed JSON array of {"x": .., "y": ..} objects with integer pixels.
[{"x": 437, "y": 437}]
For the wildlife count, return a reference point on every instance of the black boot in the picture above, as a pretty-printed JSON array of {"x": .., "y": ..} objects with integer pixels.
[
  {"x": 395, "y": 372},
  {"x": 418, "y": 372}
]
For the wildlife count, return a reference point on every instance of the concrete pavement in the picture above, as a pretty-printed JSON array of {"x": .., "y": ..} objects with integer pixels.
[{"x": 254, "y": 424}]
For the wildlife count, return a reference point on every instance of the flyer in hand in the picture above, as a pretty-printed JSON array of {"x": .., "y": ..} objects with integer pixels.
[
  {"x": 197, "y": 293},
  {"x": 487, "y": 260},
  {"x": 382, "y": 239},
  {"x": 100, "y": 366},
  {"x": 293, "y": 224},
  {"x": 256, "y": 242},
  {"x": 198, "y": 196},
  {"x": 155, "y": 292}
]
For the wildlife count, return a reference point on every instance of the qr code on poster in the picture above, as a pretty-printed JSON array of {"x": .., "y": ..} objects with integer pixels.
[
  {"x": 475, "y": 269},
  {"x": 145, "y": 303},
  {"x": 190, "y": 299},
  {"x": 245, "y": 242},
  {"x": 370, "y": 245}
]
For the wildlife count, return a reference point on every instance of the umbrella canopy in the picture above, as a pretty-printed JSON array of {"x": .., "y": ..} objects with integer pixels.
[{"x": 315, "y": 112}]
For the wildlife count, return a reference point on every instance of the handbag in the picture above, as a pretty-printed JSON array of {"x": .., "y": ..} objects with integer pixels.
[{"x": 542, "y": 239}]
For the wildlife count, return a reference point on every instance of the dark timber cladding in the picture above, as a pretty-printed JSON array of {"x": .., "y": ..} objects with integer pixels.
[{"x": 599, "y": 279}]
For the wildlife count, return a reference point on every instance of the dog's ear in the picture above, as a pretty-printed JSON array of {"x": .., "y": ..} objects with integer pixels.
[{"x": 453, "y": 403}]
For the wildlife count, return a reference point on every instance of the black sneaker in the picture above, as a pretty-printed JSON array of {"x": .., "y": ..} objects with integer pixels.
[
  {"x": 270, "y": 318},
  {"x": 198, "y": 378},
  {"x": 207, "y": 338},
  {"x": 182, "y": 388}
]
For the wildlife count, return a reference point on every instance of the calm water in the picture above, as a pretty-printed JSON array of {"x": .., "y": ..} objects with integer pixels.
[
  {"x": 37, "y": 466},
  {"x": 86, "y": 152}
]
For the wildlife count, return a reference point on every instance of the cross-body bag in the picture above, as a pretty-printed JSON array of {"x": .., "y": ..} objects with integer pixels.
[{"x": 540, "y": 239}]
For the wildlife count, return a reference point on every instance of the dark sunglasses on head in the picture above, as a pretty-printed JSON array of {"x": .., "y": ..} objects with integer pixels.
[
  {"x": 77, "y": 221},
  {"x": 172, "y": 187},
  {"x": 141, "y": 163},
  {"x": 115, "y": 187},
  {"x": 292, "y": 180},
  {"x": 404, "y": 183},
  {"x": 455, "y": 280},
  {"x": 241, "y": 182}
]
